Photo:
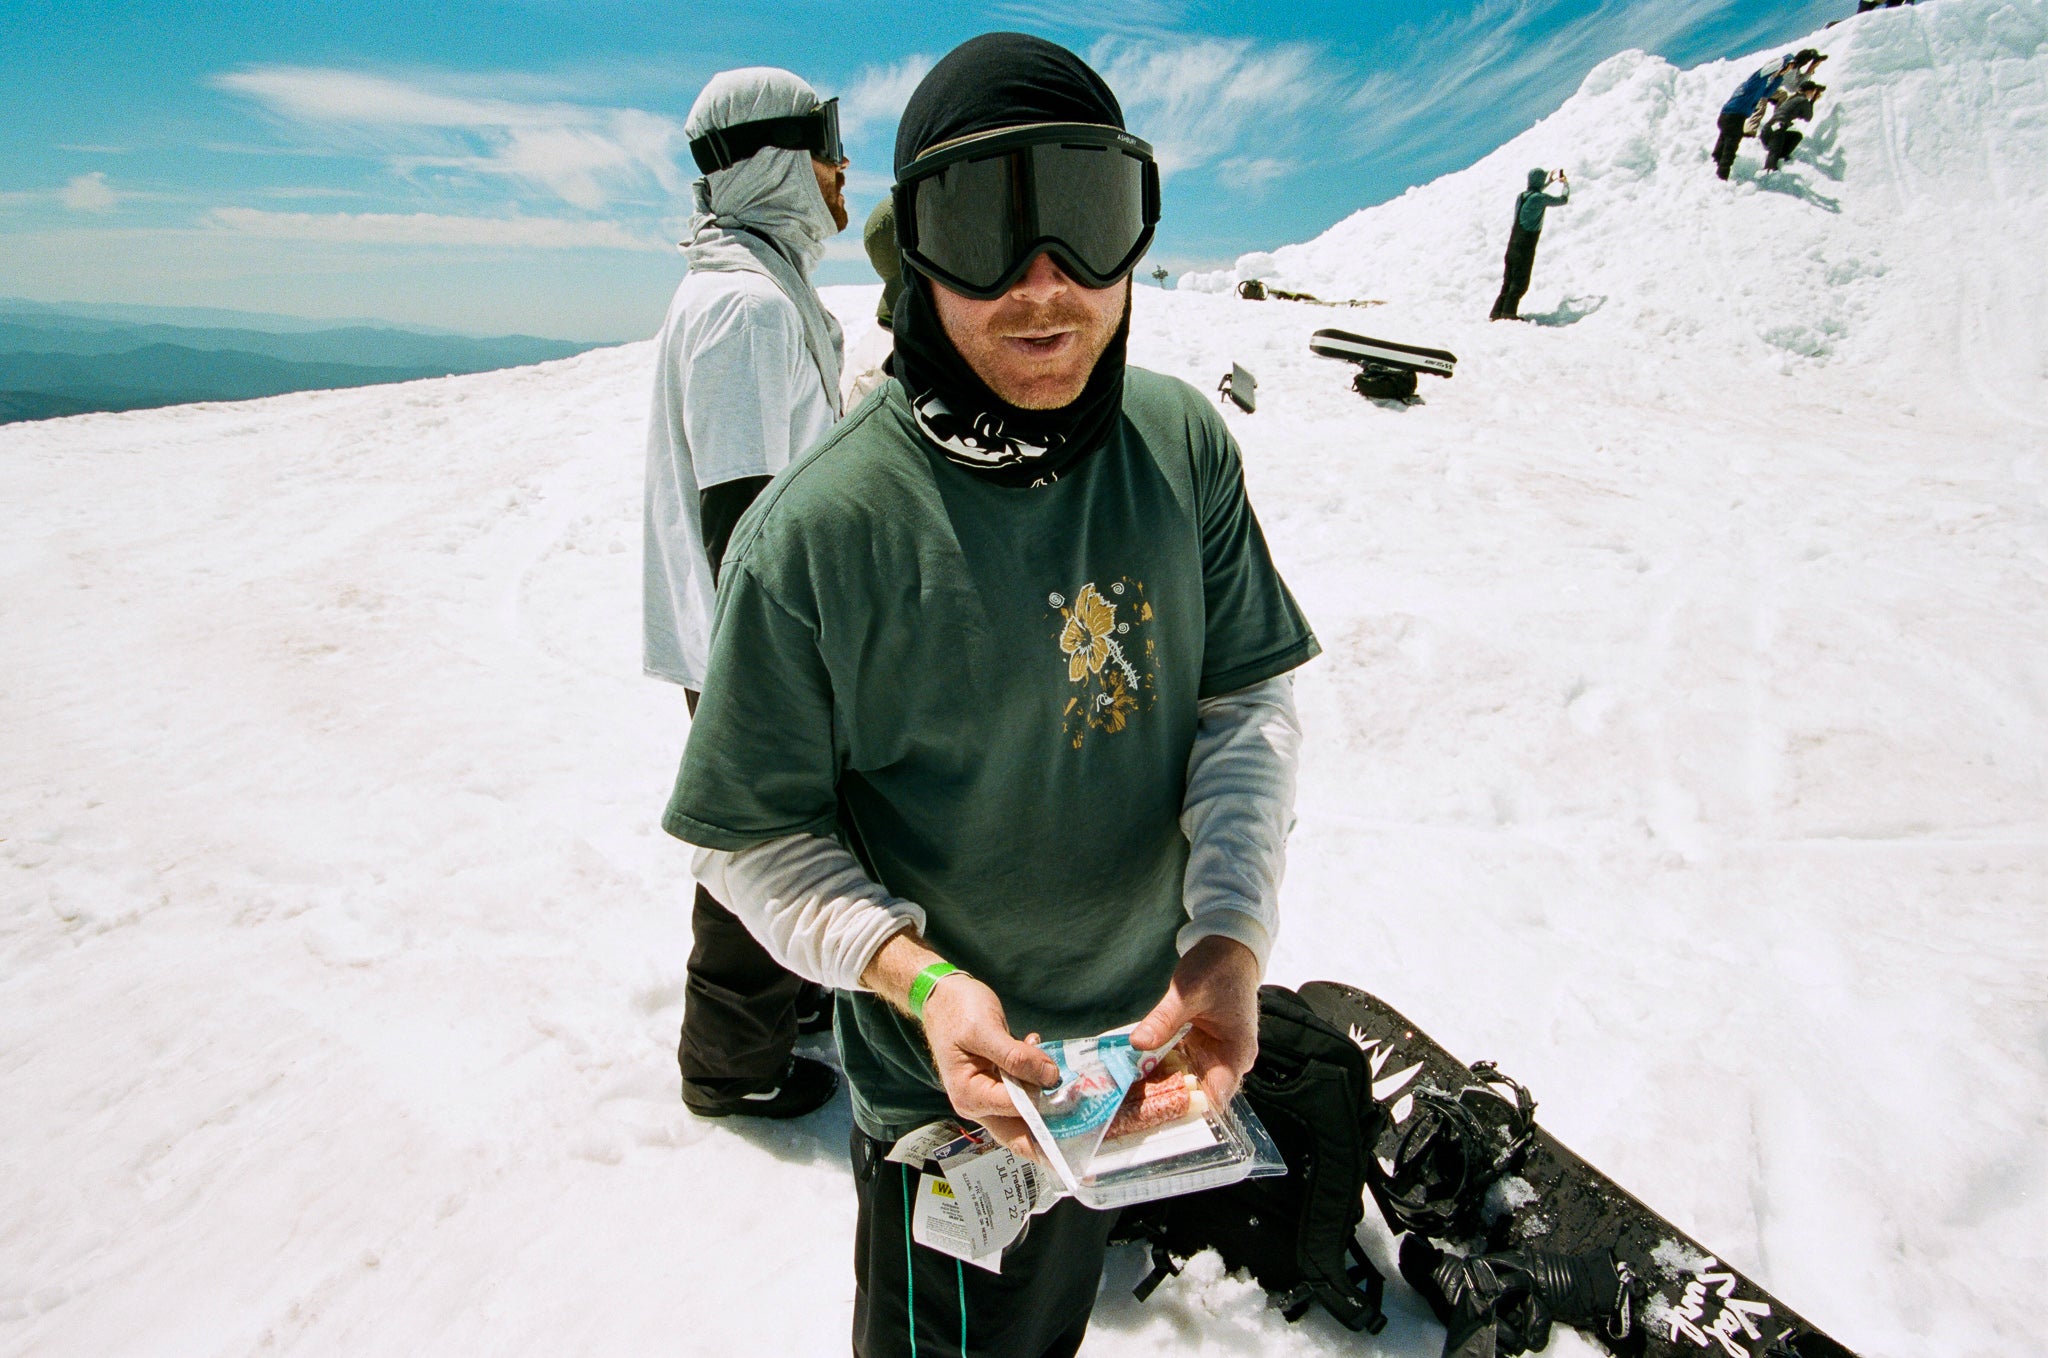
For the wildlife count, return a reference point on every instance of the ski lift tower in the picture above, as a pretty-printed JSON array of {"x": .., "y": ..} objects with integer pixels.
[{"x": 1160, "y": 274}]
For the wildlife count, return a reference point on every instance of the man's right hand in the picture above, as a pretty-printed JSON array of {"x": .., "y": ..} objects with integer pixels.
[
  {"x": 972, "y": 1048},
  {"x": 969, "y": 1037}
]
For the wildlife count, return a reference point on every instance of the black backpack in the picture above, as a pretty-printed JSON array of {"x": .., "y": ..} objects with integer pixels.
[
  {"x": 1381, "y": 383},
  {"x": 1296, "y": 1234}
]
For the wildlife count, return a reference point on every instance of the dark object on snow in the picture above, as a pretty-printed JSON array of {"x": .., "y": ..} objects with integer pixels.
[
  {"x": 1297, "y": 1234},
  {"x": 1239, "y": 388},
  {"x": 1386, "y": 370},
  {"x": 1378, "y": 383},
  {"x": 1159, "y": 275},
  {"x": 1538, "y": 1231},
  {"x": 1504, "y": 1304},
  {"x": 1252, "y": 290}
]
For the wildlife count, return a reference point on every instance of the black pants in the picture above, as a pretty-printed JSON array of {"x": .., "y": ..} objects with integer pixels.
[
  {"x": 739, "y": 1004},
  {"x": 1521, "y": 258},
  {"x": 908, "y": 1299},
  {"x": 1730, "y": 142},
  {"x": 1779, "y": 144}
]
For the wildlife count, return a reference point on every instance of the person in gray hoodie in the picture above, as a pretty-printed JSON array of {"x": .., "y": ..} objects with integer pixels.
[
  {"x": 1521, "y": 257},
  {"x": 747, "y": 380}
]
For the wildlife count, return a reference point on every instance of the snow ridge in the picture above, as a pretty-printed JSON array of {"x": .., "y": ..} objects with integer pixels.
[{"x": 1906, "y": 237}]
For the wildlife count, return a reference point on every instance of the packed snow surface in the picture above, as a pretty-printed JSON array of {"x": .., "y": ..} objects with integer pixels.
[{"x": 1681, "y": 743}]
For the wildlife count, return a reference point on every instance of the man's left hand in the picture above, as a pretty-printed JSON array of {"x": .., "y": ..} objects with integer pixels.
[{"x": 1216, "y": 989}]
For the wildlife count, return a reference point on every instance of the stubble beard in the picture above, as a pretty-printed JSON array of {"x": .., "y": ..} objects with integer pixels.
[{"x": 1054, "y": 385}]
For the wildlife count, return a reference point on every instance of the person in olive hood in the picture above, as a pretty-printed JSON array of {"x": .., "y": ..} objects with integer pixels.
[
  {"x": 1521, "y": 257},
  {"x": 998, "y": 738}
]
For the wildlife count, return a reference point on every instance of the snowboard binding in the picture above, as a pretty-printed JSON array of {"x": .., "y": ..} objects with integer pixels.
[
  {"x": 1505, "y": 1303},
  {"x": 1449, "y": 1150}
]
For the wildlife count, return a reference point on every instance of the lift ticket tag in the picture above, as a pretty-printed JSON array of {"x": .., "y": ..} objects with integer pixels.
[{"x": 979, "y": 1200}]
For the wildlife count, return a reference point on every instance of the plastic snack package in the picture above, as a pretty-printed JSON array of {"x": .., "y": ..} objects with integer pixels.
[{"x": 1125, "y": 1126}]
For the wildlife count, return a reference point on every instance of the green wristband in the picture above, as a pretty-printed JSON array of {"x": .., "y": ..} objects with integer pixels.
[{"x": 921, "y": 988}]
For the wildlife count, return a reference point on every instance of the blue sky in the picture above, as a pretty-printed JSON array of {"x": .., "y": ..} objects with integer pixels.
[{"x": 520, "y": 166}]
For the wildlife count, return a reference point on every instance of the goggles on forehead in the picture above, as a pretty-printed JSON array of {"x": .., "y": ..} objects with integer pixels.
[
  {"x": 972, "y": 214},
  {"x": 817, "y": 132}
]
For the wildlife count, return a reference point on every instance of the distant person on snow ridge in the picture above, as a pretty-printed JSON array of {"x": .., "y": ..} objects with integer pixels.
[
  {"x": 1804, "y": 64},
  {"x": 1521, "y": 257},
  {"x": 1746, "y": 100},
  {"x": 748, "y": 378},
  {"x": 1780, "y": 138}
]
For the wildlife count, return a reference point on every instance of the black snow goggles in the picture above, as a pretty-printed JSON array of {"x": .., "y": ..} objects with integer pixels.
[
  {"x": 973, "y": 213},
  {"x": 816, "y": 132}
]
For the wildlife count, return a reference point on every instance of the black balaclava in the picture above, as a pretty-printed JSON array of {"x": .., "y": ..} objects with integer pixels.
[{"x": 999, "y": 80}]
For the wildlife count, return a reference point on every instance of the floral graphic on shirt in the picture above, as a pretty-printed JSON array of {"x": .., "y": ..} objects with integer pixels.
[{"x": 1098, "y": 650}]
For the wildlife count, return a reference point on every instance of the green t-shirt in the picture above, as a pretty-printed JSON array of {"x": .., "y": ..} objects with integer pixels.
[{"x": 989, "y": 694}]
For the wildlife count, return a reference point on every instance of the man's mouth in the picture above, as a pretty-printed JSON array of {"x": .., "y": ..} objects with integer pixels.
[{"x": 1041, "y": 345}]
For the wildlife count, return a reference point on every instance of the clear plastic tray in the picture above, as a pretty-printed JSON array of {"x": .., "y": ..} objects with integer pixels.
[{"x": 1240, "y": 1148}]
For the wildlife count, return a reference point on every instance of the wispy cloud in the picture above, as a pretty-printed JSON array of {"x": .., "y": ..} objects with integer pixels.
[
  {"x": 1154, "y": 18},
  {"x": 1517, "y": 58},
  {"x": 1254, "y": 174},
  {"x": 587, "y": 157},
  {"x": 428, "y": 228},
  {"x": 879, "y": 93},
  {"x": 90, "y": 193},
  {"x": 1201, "y": 101}
]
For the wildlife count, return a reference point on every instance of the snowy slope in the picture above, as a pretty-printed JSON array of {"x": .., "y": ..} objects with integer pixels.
[
  {"x": 1904, "y": 242},
  {"x": 1681, "y": 743}
]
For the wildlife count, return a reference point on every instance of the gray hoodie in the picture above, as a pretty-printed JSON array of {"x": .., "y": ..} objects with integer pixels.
[
  {"x": 1531, "y": 204},
  {"x": 748, "y": 372}
]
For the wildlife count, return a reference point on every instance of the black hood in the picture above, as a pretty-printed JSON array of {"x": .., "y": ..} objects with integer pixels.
[{"x": 999, "y": 80}]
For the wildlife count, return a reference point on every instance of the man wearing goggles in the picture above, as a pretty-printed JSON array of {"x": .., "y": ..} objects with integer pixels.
[
  {"x": 998, "y": 738},
  {"x": 748, "y": 378}
]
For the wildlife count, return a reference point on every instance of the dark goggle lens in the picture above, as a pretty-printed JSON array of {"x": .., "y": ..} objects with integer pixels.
[
  {"x": 829, "y": 148},
  {"x": 977, "y": 220},
  {"x": 1092, "y": 200},
  {"x": 968, "y": 218}
]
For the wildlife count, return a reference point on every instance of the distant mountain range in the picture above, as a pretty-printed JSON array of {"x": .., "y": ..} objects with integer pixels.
[{"x": 58, "y": 361}]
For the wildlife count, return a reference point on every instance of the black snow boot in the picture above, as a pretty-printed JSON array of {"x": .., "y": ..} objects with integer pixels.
[
  {"x": 804, "y": 1086},
  {"x": 813, "y": 1009},
  {"x": 1504, "y": 1304}
]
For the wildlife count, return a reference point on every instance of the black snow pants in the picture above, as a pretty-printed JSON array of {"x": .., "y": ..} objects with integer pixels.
[
  {"x": 1521, "y": 258},
  {"x": 1730, "y": 142},
  {"x": 1779, "y": 144},
  {"x": 739, "y": 1004},
  {"x": 912, "y": 1300}
]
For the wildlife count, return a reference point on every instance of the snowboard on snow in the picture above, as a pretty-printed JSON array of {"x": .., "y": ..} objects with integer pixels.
[
  {"x": 1691, "y": 1303},
  {"x": 1386, "y": 370},
  {"x": 1365, "y": 349}
]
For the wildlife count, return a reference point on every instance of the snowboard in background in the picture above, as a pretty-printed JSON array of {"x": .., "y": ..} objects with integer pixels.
[
  {"x": 1694, "y": 1305},
  {"x": 1386, "y": 369}
]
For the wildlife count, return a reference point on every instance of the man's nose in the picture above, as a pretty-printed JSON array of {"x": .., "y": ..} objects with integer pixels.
[{"x": 1041, "y": 281}]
